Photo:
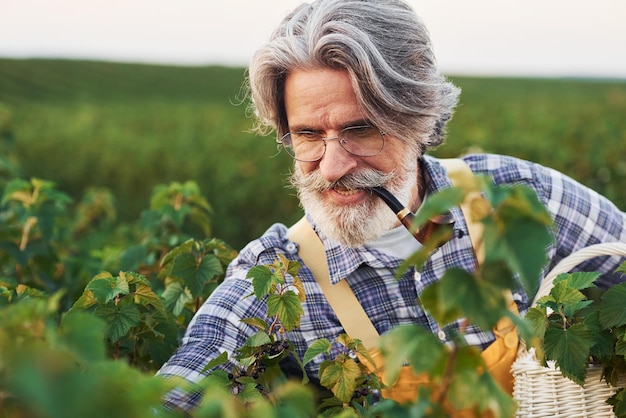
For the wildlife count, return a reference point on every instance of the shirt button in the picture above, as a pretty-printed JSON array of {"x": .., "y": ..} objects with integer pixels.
[
  {"x": 442, "y": 335},
  {"x": 510, "y": 339},
  {"x": 291, "y": 248}
]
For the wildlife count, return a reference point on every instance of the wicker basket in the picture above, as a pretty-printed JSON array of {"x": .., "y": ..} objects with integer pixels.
[{"x": 542, "y": 391}]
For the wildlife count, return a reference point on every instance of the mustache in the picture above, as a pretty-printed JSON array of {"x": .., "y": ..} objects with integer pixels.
[{"x": 364, "y": 179}]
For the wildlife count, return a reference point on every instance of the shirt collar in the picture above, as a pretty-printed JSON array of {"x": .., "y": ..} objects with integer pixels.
[{"x": 343, "y": 260}]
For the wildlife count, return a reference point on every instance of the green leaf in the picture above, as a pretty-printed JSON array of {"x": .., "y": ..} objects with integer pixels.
[
  {"x": 210, "y": 267},
  {"x": 570, "y": 349},
  {"x": 85, "y": 301},
  {"x": 438, "y": 203},
  {"x": 216, "y": 377},
  {"x": 618, "y": 401},
  {"x": 612, "y": 312},
  {"x": 498, "y": 273},
  {"x": 527, "y": 242},
  {"x": 196, "y": 273},
  {"x": 250, "y": 393},
  {"x": 520, "y": 201},
  {"x": 519, "y": 232},
  {"x": 468, "y": 361},
  {"x": 430, "y": 299},
  {"x": 134, "y": 278},
  {"x": 175, "y": 297},
  {"x": 185, "y": 247},
  {"x": 217, "y": 361},
  {"x": 119, "y": 319},
  {"x": 283, "y": 265},
  {"x": 132, "y": 257},
  {"x": 466, "y": 390},
  {"x": 295, "y": 400},
  {"x": 160, "y": 349},
  {"x": 570, "y": 299},
  {"x": 316, "y": 348},
  {"x": 538, "y": 321},
  {"x": 19, "y": 190},
  {"x": 257, "y": 323},
  {"x": 144, "y": 295},
  {"x": 413, "y": 344},
  {"x": 297, "y": 283},
  {"x": 82, "y": 333},
  {"x": 578, "y": 280},
  {"x": 495, "y": 399},
  {"x": 605, "y": 345},
  {"x": 479, "y": 301},
  {"x": 365, "y": 356},
  {"x": 293, "y": 268},
  {"x": 548, "y": 301},
  {"x": 224, "y": 252},
  {"x": 620, "y": 347},
  {"x": 261, "y": 280},
  {"x": 47, "y": 218},
  {"x": 419, "y": 258},
  {"x": 258, "y": 339},
  {"x": 460, "y": 295},
  {"x": 287, "y": 308},
  {"x": 341, "y": 378},
  {"x": 105, "y": 289},
  {"x": 246, "y": 362}
]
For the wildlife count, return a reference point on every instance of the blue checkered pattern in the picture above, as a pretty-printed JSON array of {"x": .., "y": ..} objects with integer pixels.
[{"x": 582, "y": 217}]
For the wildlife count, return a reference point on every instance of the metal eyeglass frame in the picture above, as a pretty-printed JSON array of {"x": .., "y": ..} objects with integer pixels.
[{"x": 291, "y": 152}]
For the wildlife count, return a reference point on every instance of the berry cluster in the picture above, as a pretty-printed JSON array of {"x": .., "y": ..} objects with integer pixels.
[
  {"x": 265, "y": 356},
  {"x": 278, "y": 347}
]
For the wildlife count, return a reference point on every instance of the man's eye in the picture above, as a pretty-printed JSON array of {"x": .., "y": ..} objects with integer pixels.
[
  {"x": 308, "y": 135},
  {"x": 360, "y": 132}
]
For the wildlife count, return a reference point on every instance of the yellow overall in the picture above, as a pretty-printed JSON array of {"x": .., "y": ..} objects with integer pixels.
[{"x": 498, "y": 358}]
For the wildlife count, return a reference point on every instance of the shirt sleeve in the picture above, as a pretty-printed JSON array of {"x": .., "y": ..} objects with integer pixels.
[
  {"x": 217, "y": 326},
  {"x": 581, "y": 216}
]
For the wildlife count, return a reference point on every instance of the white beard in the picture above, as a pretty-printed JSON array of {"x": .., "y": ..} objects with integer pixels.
[{"x": 354, "y": 225}]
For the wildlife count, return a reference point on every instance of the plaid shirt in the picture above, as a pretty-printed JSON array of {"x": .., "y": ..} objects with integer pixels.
[{"x": 582, "y": 217}]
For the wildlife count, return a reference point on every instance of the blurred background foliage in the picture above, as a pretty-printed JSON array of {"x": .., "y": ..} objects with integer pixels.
[{"x": 127, "y": 128}]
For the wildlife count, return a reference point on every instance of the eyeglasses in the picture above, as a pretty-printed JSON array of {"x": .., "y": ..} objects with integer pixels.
[{"x": 308, "y": 146}]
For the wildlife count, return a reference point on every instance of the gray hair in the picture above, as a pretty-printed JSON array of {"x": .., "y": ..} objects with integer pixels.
[{"x": 387, "y": 52}]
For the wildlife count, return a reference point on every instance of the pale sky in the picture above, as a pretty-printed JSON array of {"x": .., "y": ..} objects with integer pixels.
[{"x": 584, "y": 38}]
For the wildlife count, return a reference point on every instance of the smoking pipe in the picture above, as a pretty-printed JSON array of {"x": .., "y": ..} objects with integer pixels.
[{"x": 406, "y": 217}]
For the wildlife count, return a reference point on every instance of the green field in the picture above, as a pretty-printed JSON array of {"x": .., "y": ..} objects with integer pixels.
[{"x": 130, "y": 127}]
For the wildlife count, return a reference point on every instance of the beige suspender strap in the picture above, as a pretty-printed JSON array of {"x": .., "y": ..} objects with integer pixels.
[
  {"x": 461, "y": 176},
  {"x": 346, "y": 306},
  {"x": 351, "y": 315}
]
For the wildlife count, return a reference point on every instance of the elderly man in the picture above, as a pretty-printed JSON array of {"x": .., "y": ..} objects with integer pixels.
[{"x": 353, "y": 92}]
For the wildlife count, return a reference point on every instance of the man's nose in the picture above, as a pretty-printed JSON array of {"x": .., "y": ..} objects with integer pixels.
[{"x": 336, "y": 162}]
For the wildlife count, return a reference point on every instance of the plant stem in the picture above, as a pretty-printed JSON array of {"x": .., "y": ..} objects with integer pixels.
[
  {"x": 275, "y": 322},
  {"x": 135, "y": 350},
  {"x": 18, "y": 273},
  {"x": 447, "y": 375}
]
